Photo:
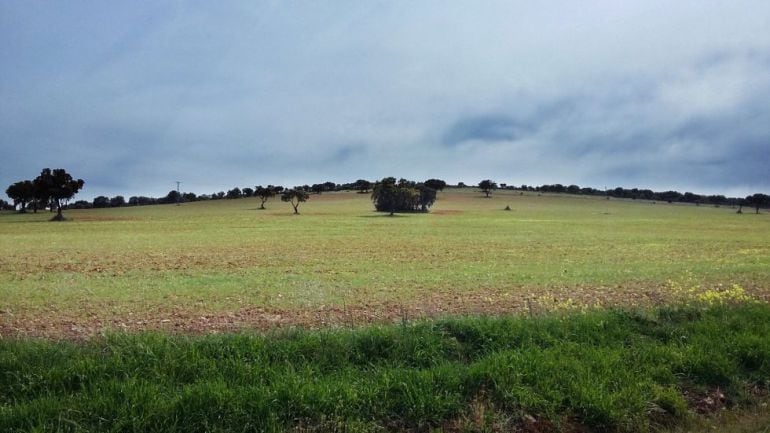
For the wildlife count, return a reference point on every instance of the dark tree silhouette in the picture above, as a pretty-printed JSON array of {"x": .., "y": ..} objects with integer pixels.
[
  {"x": 264, "y": 194},
  {"x": 60, "y": 187},
  {"x": 363, "y": 186},
  {"x": 234, "y": 193},
  {"x": 427, "y": 196},
  {"x": 173, "y": 196},
  {"x": 117, "y": 201},
  {"x": 295, "y": 196},
  {"x": 758, "y": 201},
  {"x": 21, "y": 193},
  {"x": 436, "y": 184},
  {"x": 385, "y": 195},
  {"x": 41, "y": 195},
  {"x": 402, "y": 196},
  {"x": 101, "y": 201},
  {"x": 487, "y": 186}
]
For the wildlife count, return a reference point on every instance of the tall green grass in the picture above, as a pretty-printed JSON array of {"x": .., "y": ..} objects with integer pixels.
[{"x": 604, "y": 370}]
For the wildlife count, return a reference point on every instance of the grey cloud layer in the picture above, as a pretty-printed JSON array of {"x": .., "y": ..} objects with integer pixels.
[{"x": 619, "y": 93}]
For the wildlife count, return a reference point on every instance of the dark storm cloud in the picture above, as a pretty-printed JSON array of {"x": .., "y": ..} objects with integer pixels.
[
  {"x": 706, "y": 127},
  {"x": 133, "y": 97},
  {"x": 484, "y": 128}
]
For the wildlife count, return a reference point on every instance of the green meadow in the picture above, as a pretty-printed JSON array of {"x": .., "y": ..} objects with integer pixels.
[
  {"x": 602, "y": 371},
  {"x": 224, "y": 264},
  {"x": 562, "y": 314}
]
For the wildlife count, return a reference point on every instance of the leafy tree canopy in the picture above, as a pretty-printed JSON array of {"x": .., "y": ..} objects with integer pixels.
[
  {"x": 402, "y": 196},
  {"x": 295, "y": 196},
  {"x": 487, "y": 186},
  {"x": 59, "y": 186}
]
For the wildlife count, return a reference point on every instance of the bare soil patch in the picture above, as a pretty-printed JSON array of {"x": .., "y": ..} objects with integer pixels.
[
  {"x": 447, "y": 212},
  {"x": 77, "y": 325},
  {"x": 89, "y": 218}
]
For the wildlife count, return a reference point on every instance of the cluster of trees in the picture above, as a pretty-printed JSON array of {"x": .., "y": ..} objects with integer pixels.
[
  {"x": 264, "y": 193},
  {"x": 757, "y": 201},
  {"x": 404, "y": 195},
  {"x": 52, "y": 189}
]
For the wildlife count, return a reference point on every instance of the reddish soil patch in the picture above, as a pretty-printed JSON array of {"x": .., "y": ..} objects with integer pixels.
[
  {"x": 77, "y": 325},
  {"x": 446, "y": 212},
  {"x": 103, "y": 218}
]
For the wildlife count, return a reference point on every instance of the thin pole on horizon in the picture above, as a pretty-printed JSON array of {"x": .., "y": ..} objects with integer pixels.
[{"x": 178, "y": 194}]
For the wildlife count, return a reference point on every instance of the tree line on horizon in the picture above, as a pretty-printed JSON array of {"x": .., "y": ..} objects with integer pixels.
[{"x": 387, "y": 194}]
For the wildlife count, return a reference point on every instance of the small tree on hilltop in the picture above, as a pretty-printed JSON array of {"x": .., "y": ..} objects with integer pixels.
[
  {"x": 264, "y": 194},
  {"x": 487, "y": 186},
  {"x": 436, "y": 184},
  {"x": 60, "y": 186},
  {"x": 295, "y": 196}
]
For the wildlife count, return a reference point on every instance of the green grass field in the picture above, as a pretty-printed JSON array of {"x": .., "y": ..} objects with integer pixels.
[
  {"x": 593, "y": 372},
  {"x": 686, "y": 333},
  {"x": 225, "y": 265}
]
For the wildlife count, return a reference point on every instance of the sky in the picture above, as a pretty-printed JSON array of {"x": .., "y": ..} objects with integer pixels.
[{"x": 132, "y": 96}]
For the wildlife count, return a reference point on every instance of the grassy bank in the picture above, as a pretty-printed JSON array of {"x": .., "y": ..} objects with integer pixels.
[{"x": 608, "y": 371}]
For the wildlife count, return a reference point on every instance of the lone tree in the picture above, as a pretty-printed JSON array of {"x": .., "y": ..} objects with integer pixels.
[
  {"x": 60, "y": 187},
  {"x": 758, "y": 201},
  {"x": 487, "y": 186},
  {"x": 295, "y": 196},
  {"x": 21, "y": 192},
  {"x": 264, "y": 194}
]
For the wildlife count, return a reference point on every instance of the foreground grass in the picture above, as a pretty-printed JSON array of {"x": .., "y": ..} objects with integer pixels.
[{"x": 604, "y": 370}]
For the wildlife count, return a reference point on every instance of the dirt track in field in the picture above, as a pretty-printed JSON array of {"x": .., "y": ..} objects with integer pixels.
[{"x": 79, "y": 325}]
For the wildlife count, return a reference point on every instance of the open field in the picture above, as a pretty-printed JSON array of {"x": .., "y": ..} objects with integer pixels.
[
  {"x": 687, "y": 342},
  {"x": 225, "y": 265}
]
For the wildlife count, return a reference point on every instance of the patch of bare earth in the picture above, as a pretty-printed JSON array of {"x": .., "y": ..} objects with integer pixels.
[
  {"x": 83, "y": 217},
  {"x": 77, "y": 325},
  {"x": 444, "y": 212}
]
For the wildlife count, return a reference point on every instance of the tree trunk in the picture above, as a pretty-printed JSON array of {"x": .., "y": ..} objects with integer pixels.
[{"x": 58, "y": 216}]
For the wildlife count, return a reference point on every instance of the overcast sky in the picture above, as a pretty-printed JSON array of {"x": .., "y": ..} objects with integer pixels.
[{"x": 132, "y": 96}]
